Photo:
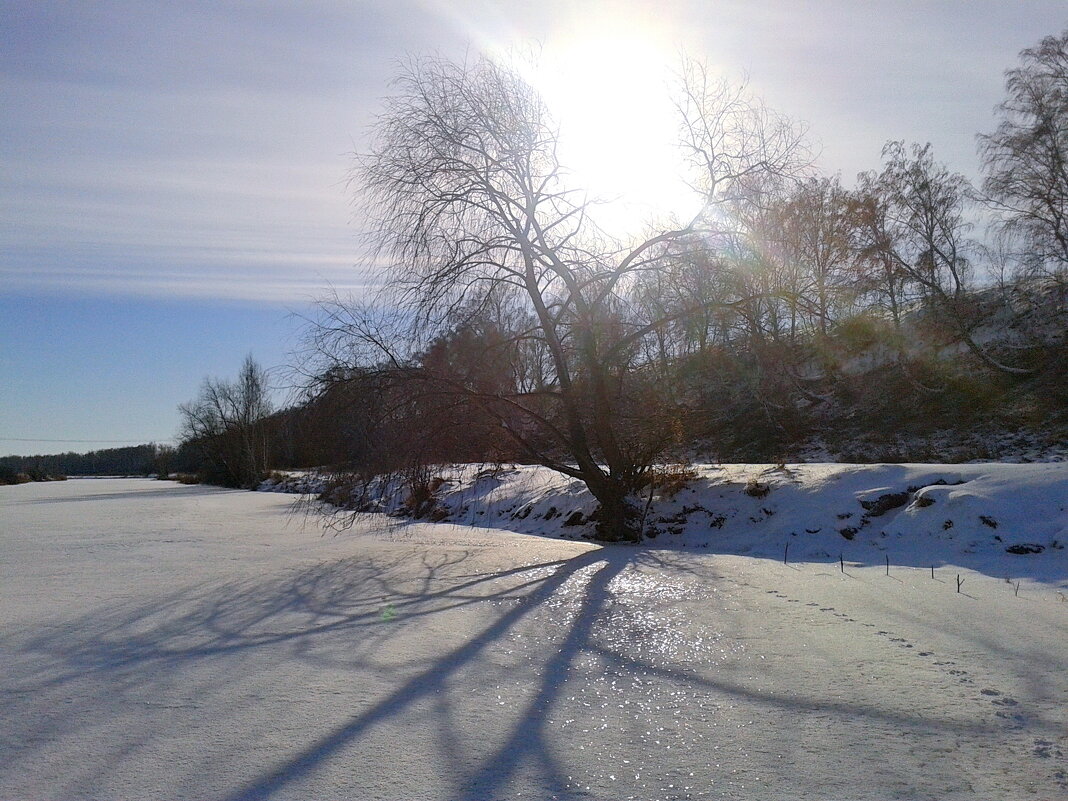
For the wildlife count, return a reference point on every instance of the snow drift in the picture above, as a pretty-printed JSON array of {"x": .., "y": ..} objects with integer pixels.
[{"x": 1002, "y": 519}]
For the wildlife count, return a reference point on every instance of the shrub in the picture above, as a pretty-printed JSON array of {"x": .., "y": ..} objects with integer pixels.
[
  {"x": 860, "y": 332},
  {"x": 755, "y": 489},
  {"x": 421, "y": 500},
  {"x": 8, "y": 475},
  {"x": 670, "y": 480}
]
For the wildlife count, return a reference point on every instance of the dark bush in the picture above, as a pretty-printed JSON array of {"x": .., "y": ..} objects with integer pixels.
[{"x": 8, "y": 475}]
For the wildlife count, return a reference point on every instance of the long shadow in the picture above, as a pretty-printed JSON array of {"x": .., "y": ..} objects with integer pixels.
[
  {"x": 527, "y": 745},
  {"x": 340, "y": 604},
  {"x": 243, "y": 616},
  {"x": 131, "y": 650},
  {"x": 431, "y": 681},
  {"x": 528, "y": 740}
]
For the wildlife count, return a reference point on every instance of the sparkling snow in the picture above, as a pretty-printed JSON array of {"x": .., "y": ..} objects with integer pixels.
[{"x": 161, "y": 641}]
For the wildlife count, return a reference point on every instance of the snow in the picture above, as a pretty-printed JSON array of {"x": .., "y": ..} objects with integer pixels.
[
  {"x": 158, "y": 640},
  {"x": 934, "y": 515}
]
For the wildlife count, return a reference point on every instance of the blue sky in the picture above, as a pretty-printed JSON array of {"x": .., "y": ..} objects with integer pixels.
[
  {"x": 70, "y": 362},
  {"x": 172, "y": 174}
]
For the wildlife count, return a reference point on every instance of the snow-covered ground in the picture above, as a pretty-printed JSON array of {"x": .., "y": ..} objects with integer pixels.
[
  {"x": 164, "y": 641},
  {"x": 1005, "y": 520}
]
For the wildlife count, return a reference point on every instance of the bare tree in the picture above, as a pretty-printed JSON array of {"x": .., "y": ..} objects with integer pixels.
[
  {"x": 739, "y": 148},
  {"x": 816, "y": 235},
  {"x": 916, "y": 229},
  {"x": 226, "y": 424},
  {"x": 1026, "y": 158},
  {"x": 470, "y": 203}
]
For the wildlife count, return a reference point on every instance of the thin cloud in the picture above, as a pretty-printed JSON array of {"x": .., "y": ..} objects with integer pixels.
[{"x": 153, "y": 147}]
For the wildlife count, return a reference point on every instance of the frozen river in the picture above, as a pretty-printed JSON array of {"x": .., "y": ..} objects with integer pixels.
[{"x": 162, "y": 641}]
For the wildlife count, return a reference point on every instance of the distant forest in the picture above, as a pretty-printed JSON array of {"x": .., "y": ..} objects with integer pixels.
[{"x": 132, "y": 461}]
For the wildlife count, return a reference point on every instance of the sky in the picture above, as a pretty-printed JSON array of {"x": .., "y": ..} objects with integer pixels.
[{"x": 173, "y": 175}]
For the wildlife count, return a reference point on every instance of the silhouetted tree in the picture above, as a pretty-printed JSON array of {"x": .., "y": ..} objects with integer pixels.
[
  {"x": 471, "y": 206},
  {"x": 226, "y": 424},
  {"x": 917, "y": 229},
  {"x": 1026, "y": 158}
]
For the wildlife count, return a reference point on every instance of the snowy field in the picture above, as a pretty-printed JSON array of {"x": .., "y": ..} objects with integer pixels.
[{"x": 164, "y": 641}]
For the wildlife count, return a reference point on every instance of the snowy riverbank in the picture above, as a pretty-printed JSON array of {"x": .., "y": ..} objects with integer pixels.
[
  {"x": 1005, "y": 520},
  {"x": 185, "y": 642}
]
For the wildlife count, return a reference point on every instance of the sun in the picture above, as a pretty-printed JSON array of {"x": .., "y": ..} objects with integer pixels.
[{"x": 611, "y": 95}]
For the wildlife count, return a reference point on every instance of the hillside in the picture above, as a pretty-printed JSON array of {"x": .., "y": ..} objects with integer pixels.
[{"x": 1004, "y": 520}]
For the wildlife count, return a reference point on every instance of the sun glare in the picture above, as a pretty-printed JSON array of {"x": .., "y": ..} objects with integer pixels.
[{"x": 611, "y": 97}]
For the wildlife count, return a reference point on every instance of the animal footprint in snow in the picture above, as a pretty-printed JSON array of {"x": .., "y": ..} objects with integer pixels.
[
  {"x": 1005, "y": 702},
  {"x": 1047, "y": 749},
  {"x": 1018, "y": 721}
]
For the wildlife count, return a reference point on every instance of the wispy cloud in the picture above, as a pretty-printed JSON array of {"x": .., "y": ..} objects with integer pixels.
[
  {"x": 196, "y": 150},
  {"x": 200, "y": 148}
]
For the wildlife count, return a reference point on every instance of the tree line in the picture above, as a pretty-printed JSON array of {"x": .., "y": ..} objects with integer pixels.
[
  {"x": 510, "y": 325},
  {"x": 135, "y": 460}
]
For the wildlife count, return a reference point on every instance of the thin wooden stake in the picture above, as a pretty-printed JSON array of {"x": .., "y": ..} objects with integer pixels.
[
  {"x": 932, "y": 571},
  {"x": 841, "y": 562},
  {"x": 1016, "y": 589},
  {"x": 888, "y": 565},
  {"x": 959, "y": 582},
  {"x": 785, "y": 553}
]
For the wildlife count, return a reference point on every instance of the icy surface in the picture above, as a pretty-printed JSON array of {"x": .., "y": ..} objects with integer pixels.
[{"x": 161, "y": 641}]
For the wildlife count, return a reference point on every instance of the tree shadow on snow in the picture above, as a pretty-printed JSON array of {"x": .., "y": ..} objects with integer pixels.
[{"x": 353, "y": 616}]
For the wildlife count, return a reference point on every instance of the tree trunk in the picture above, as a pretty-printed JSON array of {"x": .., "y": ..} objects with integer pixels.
[{"x": 618, "y": 520}]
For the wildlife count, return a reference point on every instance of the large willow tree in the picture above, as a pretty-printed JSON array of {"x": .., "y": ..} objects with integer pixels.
[{"x": 470, "y": 208}]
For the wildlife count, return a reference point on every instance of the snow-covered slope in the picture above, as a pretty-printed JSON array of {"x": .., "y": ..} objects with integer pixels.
[{"x": 1005, "y": 520}]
